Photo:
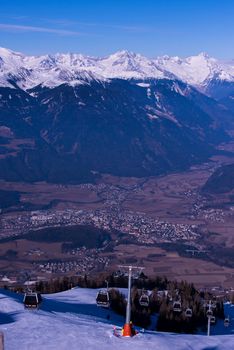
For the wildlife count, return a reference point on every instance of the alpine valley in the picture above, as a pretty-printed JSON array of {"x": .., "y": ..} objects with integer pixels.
[{"x": 124, "y": 145}]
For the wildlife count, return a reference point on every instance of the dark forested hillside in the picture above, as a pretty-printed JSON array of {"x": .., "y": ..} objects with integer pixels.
[{"x": 127, "y": 128}]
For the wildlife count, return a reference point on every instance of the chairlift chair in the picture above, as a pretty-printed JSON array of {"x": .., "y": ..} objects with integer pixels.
[
  {"x": 188, "y": 312},
  {"x": 209, "y": 313},
  {"x": 117, "y": 274},
  {"x": 103, "y": 298},
  {"x": 144, "y": 300},
  {"x": 226, "y": 321},
  {"x": 212, "y": 319},
  {"x": 136, "y": 276},
  {"x": 32, "y": 300},
  {"x": 177, "y": 306}
]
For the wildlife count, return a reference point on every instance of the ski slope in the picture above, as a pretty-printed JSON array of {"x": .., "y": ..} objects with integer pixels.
[{"x": 71, "y": 320}]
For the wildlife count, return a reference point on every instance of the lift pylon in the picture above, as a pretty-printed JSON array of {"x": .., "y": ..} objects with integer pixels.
[{"x": 128, "y": 331}]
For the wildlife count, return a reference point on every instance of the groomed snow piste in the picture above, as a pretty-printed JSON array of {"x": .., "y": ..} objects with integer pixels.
[{"x": 71, "y": 320}]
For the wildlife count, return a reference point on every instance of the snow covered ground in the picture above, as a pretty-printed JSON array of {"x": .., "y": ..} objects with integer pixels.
[{"x": 71, "y": 320}]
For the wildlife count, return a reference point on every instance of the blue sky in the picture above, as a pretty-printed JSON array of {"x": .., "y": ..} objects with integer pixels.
[{"x": 100, "y": 27}]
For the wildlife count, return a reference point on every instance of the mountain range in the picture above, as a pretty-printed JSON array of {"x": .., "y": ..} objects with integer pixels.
[
  {"x": 200, "y": 71},
  {"x": 69, "y": 117}
]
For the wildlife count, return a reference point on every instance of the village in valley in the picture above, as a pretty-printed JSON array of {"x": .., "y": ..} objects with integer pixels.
[{"x": 109, "y": 211}]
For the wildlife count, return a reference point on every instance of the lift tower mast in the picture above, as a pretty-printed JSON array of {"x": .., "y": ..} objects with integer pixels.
[{"x": 127, "y": 328}]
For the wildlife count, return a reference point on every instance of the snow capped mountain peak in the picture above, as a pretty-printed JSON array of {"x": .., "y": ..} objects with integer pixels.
[
  {"x": 11, "y": 58},
  {"x": 197, "y": 70},
  {"x": 8, "y": 53},
  {"x": 130, "y": 65},
  {"x": 204, "y": 54},
  {"x": 202, "y": 59},
  {"x": 124, "y": 53},
  {"x": 121, "y": 61}
]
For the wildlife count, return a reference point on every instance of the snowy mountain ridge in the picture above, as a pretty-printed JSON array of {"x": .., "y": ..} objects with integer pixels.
[
  {"x": 17, "y": 69},
  {"x": 197, "y": 70}
]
